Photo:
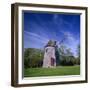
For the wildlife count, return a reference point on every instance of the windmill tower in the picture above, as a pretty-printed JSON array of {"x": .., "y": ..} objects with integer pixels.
[{"x": 49, "y": 55}]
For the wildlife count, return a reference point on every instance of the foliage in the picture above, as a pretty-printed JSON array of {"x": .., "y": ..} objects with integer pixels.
[
  {"x": 78, "y": 54},
  {"x": 67, "y": 61},
  {"x": 66, "y": 56},
  {"x": 33, "y": 57}
]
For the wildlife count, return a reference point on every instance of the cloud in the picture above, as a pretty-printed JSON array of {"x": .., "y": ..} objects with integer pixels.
[
  {"x": 34, "y": 40},
  {"x": 32, "y": 34},
  {"x": 69, "y": 36},
  {"x": 71, "y": 42},
  {"x": 39, "y": 29}
]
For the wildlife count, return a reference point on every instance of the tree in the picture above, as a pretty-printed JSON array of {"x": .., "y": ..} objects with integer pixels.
[
  {"x": 78, "y": 50},
  {"x": 68, "y": 52},
  {"x": 62, "y": 49},
  {"x": 78, "y": 55},
  {"x": 57, "y": 56},
  {"x": 33, "y": 57},
  {"x": 26, "y": 58},
  {"x": 66, "y": 56}
]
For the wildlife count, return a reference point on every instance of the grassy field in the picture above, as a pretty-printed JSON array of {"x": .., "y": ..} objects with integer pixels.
[{"x": 58, "y": 71}]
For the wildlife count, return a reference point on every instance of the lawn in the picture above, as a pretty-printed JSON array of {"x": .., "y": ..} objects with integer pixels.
[{"x": 58, "y": 71}]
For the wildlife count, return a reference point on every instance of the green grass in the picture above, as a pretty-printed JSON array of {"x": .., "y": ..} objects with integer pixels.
[{"x": 58, "y": 71}]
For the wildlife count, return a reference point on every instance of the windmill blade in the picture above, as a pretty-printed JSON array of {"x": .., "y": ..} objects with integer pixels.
[
  {"x": 66, "y": 36},
  {"x": 62, "y": 40}
]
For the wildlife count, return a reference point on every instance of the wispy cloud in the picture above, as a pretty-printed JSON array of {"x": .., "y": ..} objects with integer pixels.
[
  {"x": 40, "y": 28},
  {"x": 34, "y": 40},
  {"x": 71, "y": 42}
]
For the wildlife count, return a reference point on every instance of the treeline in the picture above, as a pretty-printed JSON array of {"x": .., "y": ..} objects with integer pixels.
[
  {"x": 66, "y": 57},
  {"x": 34, "y": 57}
]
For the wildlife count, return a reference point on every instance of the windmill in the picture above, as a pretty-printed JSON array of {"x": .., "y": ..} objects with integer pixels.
[
  {"x": 51, "y": 55},
  {"x": 66, "y": 36}
]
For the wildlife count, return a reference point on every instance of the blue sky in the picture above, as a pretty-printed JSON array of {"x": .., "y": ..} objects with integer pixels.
[{"x": 39, "y": 28}]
